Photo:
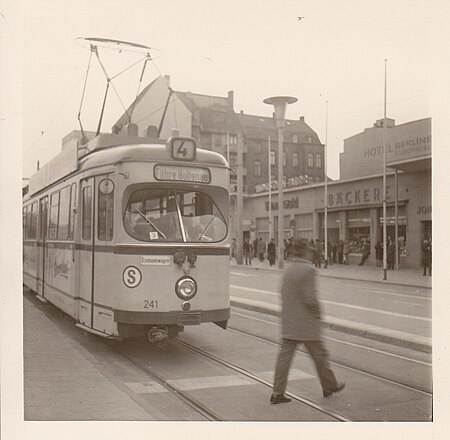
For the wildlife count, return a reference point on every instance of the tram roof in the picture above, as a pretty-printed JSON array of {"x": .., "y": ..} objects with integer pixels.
[
  {"x": 145, "y": 152},
  {"x": 109, "y": 149}
]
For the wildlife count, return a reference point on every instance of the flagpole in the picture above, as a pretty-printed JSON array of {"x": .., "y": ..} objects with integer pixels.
[
  {"x": 384, "y": 178},
  {"x": 326, "y": 185}
]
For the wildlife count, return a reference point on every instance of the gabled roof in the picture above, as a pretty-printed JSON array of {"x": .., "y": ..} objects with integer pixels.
[
  {"x": 125, "y": 116},
  {"x": 259, "y": 127}
]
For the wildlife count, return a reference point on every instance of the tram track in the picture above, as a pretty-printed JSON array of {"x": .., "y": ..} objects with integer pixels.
[
  {"x": 338, "y": 364},
  {"x": 254, "y": 377},
  {"x": 180, "y": 394}
]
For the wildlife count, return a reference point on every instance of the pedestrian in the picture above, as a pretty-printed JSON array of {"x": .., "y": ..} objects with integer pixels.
[
  {"x": 426, "y": 256},
  {"x": 255, "y": 247},
  {"x": 285, "y": 250},
  {"x": 289, "y": 246},
  {"x": 365, "y": 252},
  {"x": 340, "y": 251},
  {"x": 329, "y": 253},
  {"x": 346, "y": 251},
  {"x": 391, "y": 255},
  {"x": 248, "y": 252},
  {"x": 233, "y": 249},
  {"x": 271, "y": 252},
  {"x": 334, "y": 251},
  {"x": 317, "y": 254},
  {"x": 261, "y": 249},
  {"x": 300, "y": 319},
  {"x": 379, "y": 253}
]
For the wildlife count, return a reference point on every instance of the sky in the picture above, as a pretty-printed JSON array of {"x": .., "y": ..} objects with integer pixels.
[{"x": 258, "y": 49}]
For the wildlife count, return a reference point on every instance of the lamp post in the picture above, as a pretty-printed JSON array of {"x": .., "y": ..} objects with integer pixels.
[{"x": 280, "y": 103}]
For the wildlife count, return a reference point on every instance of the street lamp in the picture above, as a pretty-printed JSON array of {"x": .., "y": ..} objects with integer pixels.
[{"x": 280, "y": 103}]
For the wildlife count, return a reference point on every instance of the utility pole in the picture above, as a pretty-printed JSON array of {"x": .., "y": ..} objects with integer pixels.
[
  {"x": 384, "y": 180},
  {"x": 280, "y": 103}
]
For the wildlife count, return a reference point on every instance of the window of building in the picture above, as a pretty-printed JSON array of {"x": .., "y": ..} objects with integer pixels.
[
  {"x": 310, "y": 160},
  {"x": 54, "y": 214},
  {"x": 105, "y": 210},
  {"x": 318, "y": 161},
  {"x": 308, "y": 139},
  {"x": 233, "y": 139},
  {"x": 272, "y": 158},
  {"x": 258, "y": 147},
  {"x": 87, "y": 213},
  {"x": 295, "y": 159},
  {"x": 217, "y": 140},
  {"x": 284, "y": 158},
  {"x": 233, "y": 160},
  {"x": 257, "y": 168},
  {"x": 295, "y": 138},
  {"x": 358, "y": 229}
]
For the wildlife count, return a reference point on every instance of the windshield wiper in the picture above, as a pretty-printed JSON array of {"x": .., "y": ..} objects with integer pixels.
[
  {"x": 202, "y": 235},
  {"x": 151, "y": 224}
]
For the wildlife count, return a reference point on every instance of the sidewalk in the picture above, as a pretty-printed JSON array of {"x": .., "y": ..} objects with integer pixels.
[
  {"x": 62, "y": 381},
  {"x": 404, "y": 276}
]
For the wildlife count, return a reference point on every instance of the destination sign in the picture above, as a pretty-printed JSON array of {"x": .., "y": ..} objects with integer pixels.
[{"x": 182, "y": 174}]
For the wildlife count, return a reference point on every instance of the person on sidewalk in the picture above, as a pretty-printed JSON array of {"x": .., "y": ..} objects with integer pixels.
[
  {"x": 317, "y": 254},
  {"x": 391, "y": 255},
  {"x": 379, "y": 253},
  {"x": 426, "y": 256},
  {"x": 365, "y": 252},
  {"x": 248, "y": 252},
  {"x": 300, "y": 318},
  {"x": 346, "y": 251},
  {"x": 255, "y": 247},
  {"x": 340, "y": 251},
  {"x": 271, "y": 252},
  {"x": 261, "y": 249}
]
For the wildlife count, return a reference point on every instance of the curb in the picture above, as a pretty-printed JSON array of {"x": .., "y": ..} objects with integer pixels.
[
  {"x": 268, "y": 309},
  {"x": 395, "y": 283}
]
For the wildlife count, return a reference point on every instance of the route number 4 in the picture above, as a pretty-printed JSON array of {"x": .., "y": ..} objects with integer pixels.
[{"x": 183, "y": 148}]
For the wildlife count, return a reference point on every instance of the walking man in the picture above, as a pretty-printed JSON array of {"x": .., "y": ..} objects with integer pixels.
[
  {"x": 426, "y": 257},
  {"x": 261, "y": 249},
  {"x": 301, "y": 324}
]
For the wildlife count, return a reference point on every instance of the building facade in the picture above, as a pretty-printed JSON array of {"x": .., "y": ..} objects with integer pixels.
[{"x": 355, "y": 203}]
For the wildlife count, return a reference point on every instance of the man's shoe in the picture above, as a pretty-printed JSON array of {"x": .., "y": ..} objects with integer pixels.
[
  {"x": 279, "y": 398},
  {"x": 339, "y": 387}
]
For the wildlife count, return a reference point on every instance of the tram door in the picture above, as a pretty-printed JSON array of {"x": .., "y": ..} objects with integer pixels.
[
  {"x": 86, "y": 253},
  {"x": 42, "y": 245}
]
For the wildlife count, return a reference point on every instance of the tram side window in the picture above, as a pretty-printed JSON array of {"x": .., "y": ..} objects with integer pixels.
[
  {"x": 33, "y": 222},
  {"x": 87, "y": 213},
  {"x": 73, "y": 198},
  {"x": 64, "y": 208},
  {"x": 54, "y": 214},
  {"x": 24, "y": 222},
  {"x": 105, "y": 215}
]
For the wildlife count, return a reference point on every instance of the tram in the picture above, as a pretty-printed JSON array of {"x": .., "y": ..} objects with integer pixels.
[{"x": 131, "y": 237}]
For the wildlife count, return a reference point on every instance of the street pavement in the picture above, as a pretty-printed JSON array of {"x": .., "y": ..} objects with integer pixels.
[
  {"x": 403, "y": 277},
  {"x": 55, "y": 364}
]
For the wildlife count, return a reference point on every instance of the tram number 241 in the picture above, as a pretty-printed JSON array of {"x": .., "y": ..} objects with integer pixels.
[{"x": 153, "y": 304}]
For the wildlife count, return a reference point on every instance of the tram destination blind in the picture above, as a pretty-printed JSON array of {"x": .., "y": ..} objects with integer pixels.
[{"x": 182, "y": 174}]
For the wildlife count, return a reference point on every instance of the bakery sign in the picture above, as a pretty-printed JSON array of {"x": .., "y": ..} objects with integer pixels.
[{"x": 358, "y": 196}]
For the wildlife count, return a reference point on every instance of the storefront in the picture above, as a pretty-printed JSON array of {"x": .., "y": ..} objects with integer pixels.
[{"x": 355, "y": 214}]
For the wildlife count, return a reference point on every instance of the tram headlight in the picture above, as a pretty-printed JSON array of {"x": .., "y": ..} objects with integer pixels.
[{"x": 186, "y": 288}]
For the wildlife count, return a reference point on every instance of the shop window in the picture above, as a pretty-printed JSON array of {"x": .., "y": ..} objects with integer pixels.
[
  {"x": 295, "y": 159},
  {"x": 390, "y": 227},
  {"x": 54, "y": 214},
  {"x": 310, "y": 160},
  {"x": 358, "y": 229}
]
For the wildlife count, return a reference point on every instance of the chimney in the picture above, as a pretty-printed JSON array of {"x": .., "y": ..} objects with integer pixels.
[
  {"x": 242, "y": 112},
  {"x": 152, "y": 131},
  {"x": 167, "y": 77},
  {"x": 302, "y": 119},
  {"x": 231, "y": 99},
  {"x": 132, "y": 129}
]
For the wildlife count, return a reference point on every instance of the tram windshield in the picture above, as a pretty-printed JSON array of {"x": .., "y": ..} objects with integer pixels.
[{"x": 156, "y": 214}]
